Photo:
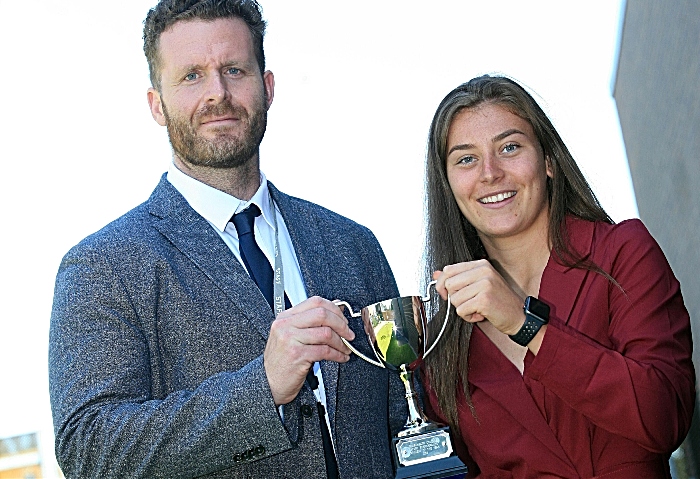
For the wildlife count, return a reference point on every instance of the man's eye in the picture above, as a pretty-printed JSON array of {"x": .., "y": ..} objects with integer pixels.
[
  {"x": 233, "y": 71},
  {"x": 191, "y": 77}
]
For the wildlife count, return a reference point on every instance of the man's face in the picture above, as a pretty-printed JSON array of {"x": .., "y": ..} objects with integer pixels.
[{"x": 213, "y": 99}]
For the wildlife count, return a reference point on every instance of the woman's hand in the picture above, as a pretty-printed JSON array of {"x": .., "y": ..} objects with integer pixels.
[{"x": 478, "y": 292}]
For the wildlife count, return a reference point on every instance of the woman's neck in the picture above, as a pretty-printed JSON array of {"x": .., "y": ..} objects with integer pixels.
[{"x": 521, "y": 259}]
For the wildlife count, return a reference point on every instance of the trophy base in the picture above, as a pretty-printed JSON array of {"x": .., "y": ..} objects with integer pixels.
[
  {"x": 427, "y": 456},
  {"x": 450, "y": 467}
]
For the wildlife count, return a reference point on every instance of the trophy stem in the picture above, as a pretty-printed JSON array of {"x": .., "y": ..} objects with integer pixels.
[{"x": 417, "y": 421}]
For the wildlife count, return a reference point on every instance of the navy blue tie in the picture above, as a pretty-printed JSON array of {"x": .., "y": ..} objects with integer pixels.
[
  {"x": 260, "y": 270},
  {"x": 254, "y": 259}
]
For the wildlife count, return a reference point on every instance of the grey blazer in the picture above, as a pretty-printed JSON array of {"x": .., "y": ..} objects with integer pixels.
[{"x": 155, "y": 355}]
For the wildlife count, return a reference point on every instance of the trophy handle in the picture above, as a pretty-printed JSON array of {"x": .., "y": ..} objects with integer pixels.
[
  {"x": 425, "y": 299},
  {"x": 338, "y": 302}
]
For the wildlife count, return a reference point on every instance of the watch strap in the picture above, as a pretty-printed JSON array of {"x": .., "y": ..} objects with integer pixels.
[{"x": 533, "y": 322}]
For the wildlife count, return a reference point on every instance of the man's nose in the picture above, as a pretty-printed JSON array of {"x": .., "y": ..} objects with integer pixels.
[{"x": 216, "y": 89}]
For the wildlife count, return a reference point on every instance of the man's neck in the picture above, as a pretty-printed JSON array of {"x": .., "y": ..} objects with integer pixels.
[{"x": 241, "y": 182}]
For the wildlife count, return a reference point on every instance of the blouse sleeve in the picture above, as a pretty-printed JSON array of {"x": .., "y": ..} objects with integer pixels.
[{"x": 631, "y": 371}]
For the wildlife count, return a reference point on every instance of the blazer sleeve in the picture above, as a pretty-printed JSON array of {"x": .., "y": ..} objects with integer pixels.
[
  {"x": 102, "y": 374},
  {"x": 637, "y": 379}
]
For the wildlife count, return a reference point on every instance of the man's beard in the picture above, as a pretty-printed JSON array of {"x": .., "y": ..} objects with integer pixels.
[{"x": 224, "y": 150}]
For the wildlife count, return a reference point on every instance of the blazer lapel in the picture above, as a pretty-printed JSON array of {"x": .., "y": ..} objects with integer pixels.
[
  {"x": 491, "y": 372},
  {"x": 496, "y": 376},
  {"x": 312, "y": 254},
  {"x": 196, "y": 239},
  {"x": 561, "y": 283}
]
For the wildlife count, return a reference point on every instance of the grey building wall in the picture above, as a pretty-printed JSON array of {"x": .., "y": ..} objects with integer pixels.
[{"x": 657, "y": 90}]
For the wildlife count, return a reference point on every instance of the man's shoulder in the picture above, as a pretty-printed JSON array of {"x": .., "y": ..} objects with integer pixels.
[{"x": 132, "y": 228}]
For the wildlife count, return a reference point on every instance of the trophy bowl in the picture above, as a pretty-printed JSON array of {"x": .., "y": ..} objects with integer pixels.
[{"x": 397, "y": 332}]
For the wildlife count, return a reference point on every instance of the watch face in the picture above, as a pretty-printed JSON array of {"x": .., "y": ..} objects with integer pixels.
[{"x": 537, "y": 307}]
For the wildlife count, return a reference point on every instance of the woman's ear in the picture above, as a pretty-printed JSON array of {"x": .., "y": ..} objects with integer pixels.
[{"x": 548, "y": 165}]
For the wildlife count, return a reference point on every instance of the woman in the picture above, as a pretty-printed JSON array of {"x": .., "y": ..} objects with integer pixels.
[{"x": 580, "y": 361}]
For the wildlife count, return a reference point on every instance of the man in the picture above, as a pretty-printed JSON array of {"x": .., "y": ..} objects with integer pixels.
[{"x": 165, "y": 356}]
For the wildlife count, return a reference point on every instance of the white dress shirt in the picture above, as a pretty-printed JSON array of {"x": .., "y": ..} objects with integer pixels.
[{"x": 218, "y": 207}]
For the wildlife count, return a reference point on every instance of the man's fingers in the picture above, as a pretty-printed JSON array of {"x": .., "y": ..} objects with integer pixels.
[
  {"x": 313, "y": 302},
  {"x": 295, "y": 337},
  {"x": 317, "y": 313}
]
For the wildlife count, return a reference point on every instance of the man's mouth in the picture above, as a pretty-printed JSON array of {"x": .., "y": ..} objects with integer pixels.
[{"x": 223, "y": 119}]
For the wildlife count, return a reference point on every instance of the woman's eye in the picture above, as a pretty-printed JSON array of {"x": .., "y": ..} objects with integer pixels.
[
  {"x": 510, "y": 148},
  {"x": 466, "y": 160}
]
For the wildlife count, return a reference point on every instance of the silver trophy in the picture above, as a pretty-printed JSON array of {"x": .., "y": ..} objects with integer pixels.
[{"x": 396, "y": 329}]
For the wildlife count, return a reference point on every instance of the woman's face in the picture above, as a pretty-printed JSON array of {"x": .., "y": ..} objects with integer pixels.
[{"x": 497, "y": 172}]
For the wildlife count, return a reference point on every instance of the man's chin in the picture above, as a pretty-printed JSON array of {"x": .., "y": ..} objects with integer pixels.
[
  {"x": 222, "y": 161},
  {"x": 218, "y": 131}
]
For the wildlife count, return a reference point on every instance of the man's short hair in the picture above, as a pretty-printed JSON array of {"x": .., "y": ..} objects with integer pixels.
[{"x": 168, "y": 12}]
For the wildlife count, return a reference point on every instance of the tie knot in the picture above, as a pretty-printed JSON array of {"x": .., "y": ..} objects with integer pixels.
[{"x": 244, "y": 220}]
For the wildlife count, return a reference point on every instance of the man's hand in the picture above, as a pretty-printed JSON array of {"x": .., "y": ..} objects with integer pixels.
[{"x": 299, "y": 337}]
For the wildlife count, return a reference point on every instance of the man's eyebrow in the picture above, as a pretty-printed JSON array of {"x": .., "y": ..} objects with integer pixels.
[
  {"x": 187, "y": 68},
  {"x": 198, "y": 66}
]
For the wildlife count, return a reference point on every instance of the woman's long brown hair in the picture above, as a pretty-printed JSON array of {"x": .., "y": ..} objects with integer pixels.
[{"x": 452, "y": 239}]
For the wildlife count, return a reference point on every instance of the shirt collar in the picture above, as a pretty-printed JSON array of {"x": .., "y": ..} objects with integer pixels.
[{"x": 214, "y": 205}]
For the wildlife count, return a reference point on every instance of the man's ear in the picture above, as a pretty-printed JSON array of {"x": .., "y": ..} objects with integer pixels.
[
  {"x": 269, "y": 85},
  {"x": 156, "y": 106}
]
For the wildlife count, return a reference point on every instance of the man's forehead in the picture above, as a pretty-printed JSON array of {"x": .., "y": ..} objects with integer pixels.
[{"x": 206, "y": 36}]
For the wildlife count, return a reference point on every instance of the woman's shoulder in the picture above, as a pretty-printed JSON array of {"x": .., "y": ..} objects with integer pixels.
[
  {"x": 606, "y": 243},
  {"x": 624, "y": 232},
  {"x": 628, "y": 243},
  {"x": 604, "y": 232}
]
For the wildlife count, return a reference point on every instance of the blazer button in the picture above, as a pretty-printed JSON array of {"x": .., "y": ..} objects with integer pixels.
[{"x": 306, "y": 410}]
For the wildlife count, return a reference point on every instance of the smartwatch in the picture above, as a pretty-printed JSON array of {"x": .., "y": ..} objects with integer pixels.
[{"x": 536, "y": 316}]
